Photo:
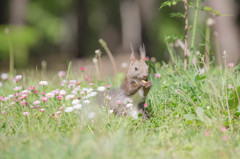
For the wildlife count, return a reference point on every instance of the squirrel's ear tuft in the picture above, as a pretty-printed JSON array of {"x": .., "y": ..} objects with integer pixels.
[
  {"x": 132, "y": 58},
  {"x": 142, "y": 51}
]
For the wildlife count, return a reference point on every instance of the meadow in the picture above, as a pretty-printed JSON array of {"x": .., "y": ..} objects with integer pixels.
[{"x": 194, "y": 114}]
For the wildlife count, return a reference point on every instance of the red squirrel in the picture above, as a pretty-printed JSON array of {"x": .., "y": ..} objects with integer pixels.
[{"x": 130, "y": 98}]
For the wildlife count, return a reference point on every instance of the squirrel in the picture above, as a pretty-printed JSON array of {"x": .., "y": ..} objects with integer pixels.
[{"x": 130, "y": 98}]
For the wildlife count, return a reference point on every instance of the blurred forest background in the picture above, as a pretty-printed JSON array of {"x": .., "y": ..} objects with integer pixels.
[{"x": 58, "y": 31}]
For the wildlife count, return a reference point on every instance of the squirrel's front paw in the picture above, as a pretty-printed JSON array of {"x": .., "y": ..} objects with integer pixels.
[{"x": 148, "y": 84}]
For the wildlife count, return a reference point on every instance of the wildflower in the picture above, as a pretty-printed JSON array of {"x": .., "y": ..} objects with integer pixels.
[
  {"x": 124, "y": 65},
  {"x": 128, "y": 100},
  {"x": 223, "y": 129},
  {"x": 129, "y": 105},
  {"x": 157, "y": 75},
  {"x": 224, "y": 138},
  {"x": 119, "y": 102},
  {"x": 95, "y": 60},
  {"x": 207, "y": 133},
  {"x": 75, "y": 102},
  {"x": 71, "y": 96},
  {"x": 58, "y": 112},
  {"x": 86, "y": 101},
  {"x": 231, "y": 65},
  {"x": 4, "y": 76},
  {"x": 86, "y": 78},
  {"x": 35, "y": 92},
  {"x": 23, "y": 96},
  {"x": 82, "y": 68},
  {"x": 153, "y": 59},
  {"x": 41, "y": 110},
  {"x": 91, "y": 84},
  {"x": 101, "y": 88},
  {"x": 24, "y": 103},
  {"x": 77, "y": 106},
  {"x": 50, "y": 95},
  {"x": 43, "y": 83},
  {"x": 91, "y": 115},
  {"x": 62, "y": 93},
  {"x": 210, "y": 21},
  {"x": 31, "y": 106},
  {"x": 6, "y": 99},
  {"x": 82, "y": 93},
  {"x": 37, "y": 102},
  {"x": 69, "y": 109},
  {"x": 98, "y": 52},
  {"x": 12, "y": 103},
  {"x": 26, "y": 113},
  {"x": 93, "y": 94},
  {"x": 31, "y": 88},
  {"x": 59, "y": 97},
  {"x": 61, "y": 108},
  {"x": 44, "y": 99},
  {"x": 4, "y": 112},
  {"x": 90, "y": 90},
  {"x": 145, "y": 105},
  {"x": 108, "y": 97},
  {"x": 25, "y": 92},
  {"x": 108, "y": 86},
  {"x": 202, "y": 71},
  {"x": 16, "y": 94},
  {"x": 42, "y": 93},
  {"x": 225, "y": 54},
  {"x": 62, "y": 74},
  {"x": 111, "y": 111},
  {"x": 18, "y": 77},
  {"x": 17, "y": 88},
  {"x": 208, "y": 107},
  {"x": 146, "y": 58}
]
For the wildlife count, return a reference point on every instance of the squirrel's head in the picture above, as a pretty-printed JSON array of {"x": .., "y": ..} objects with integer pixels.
[{"x": 138, "y": 69}]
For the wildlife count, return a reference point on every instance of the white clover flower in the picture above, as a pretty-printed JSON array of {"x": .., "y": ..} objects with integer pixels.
[
  {"x": 71, "y": 96},
  {"x": 86, "y": 101},
  {"x": 50, "y": 95},
  {"x": 37, "y": 102},
  {"x": 74, "y": 92},
  {"x": 4, "y": 76},
  {"x": 69, "y": 109},
  {"x": 110, "y": 111},
  {"x": 208, "y": 107},
  {"x": 78, "y": 106},
  {"x": 91, "y": 115},
  {"x": 43, "y": 83},
  {"x": 75, "y": 102},
  {"x": 17, "y": 88},
  {"x": 101, "y": 88},
  {"x": 129, "y": 105}
]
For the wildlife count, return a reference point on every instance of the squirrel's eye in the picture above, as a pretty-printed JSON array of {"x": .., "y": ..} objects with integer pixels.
[{"x": 136, "y": 68}]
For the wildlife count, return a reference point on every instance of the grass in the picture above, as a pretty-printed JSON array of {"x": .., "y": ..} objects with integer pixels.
[{"x": 189, "y": 115}]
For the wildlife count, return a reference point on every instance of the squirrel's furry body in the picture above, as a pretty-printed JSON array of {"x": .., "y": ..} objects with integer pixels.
[{"x": 134, "y": 87}]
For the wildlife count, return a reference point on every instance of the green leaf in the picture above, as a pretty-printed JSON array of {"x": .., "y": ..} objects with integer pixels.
[{"x": 178, "y": 14}]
